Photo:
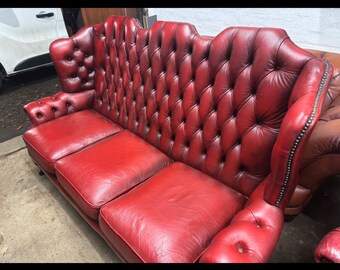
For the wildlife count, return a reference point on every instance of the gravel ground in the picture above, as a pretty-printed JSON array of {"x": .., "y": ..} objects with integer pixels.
[{"x": 17, "y": 92}]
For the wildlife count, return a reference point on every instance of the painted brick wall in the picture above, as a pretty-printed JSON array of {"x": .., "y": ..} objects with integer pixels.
[{"x": 314, "y": 28}]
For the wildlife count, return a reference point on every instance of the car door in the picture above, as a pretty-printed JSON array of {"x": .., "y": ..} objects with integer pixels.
[{"x": 25, "y": 36}]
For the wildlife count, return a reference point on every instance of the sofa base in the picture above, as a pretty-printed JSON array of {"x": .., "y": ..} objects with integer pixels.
[{"x": 93, "y": 223}]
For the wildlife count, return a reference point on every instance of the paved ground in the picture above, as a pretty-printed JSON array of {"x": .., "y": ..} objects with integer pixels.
[
  {"x": 17, "y": 92},
  {"x": 38, "y": 225}
]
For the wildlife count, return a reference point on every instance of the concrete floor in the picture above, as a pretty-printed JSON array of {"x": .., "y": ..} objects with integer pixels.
[{"x": 38, "y": 225}]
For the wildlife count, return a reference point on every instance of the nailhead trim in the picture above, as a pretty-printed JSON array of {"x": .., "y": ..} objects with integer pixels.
[{"x": 302, "y": 133}]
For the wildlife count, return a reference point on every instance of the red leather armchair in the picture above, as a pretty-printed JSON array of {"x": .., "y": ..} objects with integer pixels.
[
  {"x": 328, "y": 249},
  {"x": 321, "y": 159},
  {"x": 162, "y": 136}
]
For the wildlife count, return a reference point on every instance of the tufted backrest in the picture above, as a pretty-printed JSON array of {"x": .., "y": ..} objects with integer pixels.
[
  {"x": 74, "y": 62},
  {"x": 216, "y": 104}
]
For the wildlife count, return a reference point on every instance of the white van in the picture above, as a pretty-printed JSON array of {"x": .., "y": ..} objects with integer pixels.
[{"x": 25, "y": 37}]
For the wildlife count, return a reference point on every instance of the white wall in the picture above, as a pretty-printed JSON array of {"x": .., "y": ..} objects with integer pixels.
[{"x": 314, "y": 28}]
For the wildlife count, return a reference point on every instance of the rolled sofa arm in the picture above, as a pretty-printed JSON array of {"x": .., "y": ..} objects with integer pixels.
[
  {"x": 49, "y": 108},
  {"x": 250, "y": 238},
  {"x": 320, "y": 161},
  {"x": 328, "y": 249}
]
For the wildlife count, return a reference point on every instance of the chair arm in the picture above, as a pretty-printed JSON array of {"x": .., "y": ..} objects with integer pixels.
[
  {"x": 250, "y": 238},
  {"x": 328, "y": 249},
  {"x": 49, "y": 108}
]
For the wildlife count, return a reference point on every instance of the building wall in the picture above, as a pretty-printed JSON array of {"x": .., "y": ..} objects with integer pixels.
[{"x": 314, "y": 28}]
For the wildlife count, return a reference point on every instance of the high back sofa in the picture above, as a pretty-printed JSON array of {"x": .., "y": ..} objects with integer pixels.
[{"x": 176, "y": 147}]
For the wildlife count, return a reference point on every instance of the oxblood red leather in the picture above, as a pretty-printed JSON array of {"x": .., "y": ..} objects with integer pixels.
[
  {"x": 49, "y": 108},
  {"x": 250, "y": 238},
  {"x": 172, "y": 216},
  {"x": 321, "y": 158},
  {"x": 125, "y": 161},
  {"x": 74, "y": 62},
  {"x": 239, "y": 108},
  {"x": 328, "y": 249},
  {"x": 55, "y": 139}
]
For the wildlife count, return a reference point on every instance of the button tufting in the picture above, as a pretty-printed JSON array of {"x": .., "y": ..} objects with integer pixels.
[
  {"x": 190, "y": 50},
  {"x": 223, "y": 158},
  {"x": 39, "y": 115},
  {"x": 54, "y": 109},
  {"x": 68, "y": 104}
]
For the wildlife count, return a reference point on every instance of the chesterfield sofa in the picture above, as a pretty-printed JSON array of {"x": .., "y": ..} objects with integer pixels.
[{"x": 176, "y": 147}]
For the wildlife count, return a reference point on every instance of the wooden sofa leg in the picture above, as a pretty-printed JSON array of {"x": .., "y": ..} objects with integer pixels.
[{"x": 41, "y": 172}]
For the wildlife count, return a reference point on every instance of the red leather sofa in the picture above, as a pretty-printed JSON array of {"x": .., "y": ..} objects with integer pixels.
[
  {"x": 328, "y": 250},
  {"x": 176, "y": 147}
]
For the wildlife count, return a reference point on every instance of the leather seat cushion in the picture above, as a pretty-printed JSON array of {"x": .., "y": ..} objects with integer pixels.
[
  {"x": 171, "y": 217},
  {"x": 63, "y": 136},
  {"x": 100, "y": 173}
]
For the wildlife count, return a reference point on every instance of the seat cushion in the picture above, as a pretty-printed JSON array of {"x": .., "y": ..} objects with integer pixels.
[
  {"x": 55, "y": 139},
  {"x": 100, "y": 173},
  {"x": 171, "y": 217}
]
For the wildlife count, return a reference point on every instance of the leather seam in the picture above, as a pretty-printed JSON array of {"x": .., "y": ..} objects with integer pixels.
[{"x": 302, "y": 133}]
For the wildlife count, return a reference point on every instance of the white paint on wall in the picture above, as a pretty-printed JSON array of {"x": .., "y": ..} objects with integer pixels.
[{"x": 313, "y": 28}]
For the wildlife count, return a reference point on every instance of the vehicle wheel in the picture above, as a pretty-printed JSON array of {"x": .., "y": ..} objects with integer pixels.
[{"x": 0, "y": 83}]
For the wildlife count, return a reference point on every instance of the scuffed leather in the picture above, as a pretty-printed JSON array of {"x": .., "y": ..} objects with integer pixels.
[
  {"x": 74, "y": 61},
  {"x": 172, "y": 216},
  {"x": 250, "y": 238},
  {"x": 125, "y": 161},
  {"x": 328, "y": 249},
  {"x": 65, "y": 135},
  {"x": 49, "y": 108}
]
